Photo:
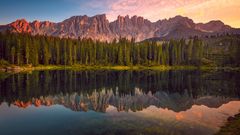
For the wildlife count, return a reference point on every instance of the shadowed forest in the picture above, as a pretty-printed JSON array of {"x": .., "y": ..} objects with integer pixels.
[{"x": 22, "y": 49}]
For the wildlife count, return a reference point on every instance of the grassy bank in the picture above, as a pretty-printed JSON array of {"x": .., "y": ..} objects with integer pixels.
[
  {"x": 95, "y": 67},
  {"x": 13, "y": 68},
  {"x": 232, "y": 127}
]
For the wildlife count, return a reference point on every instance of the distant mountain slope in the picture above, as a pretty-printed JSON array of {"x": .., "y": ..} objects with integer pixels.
[{"x": 99, "y": 28}]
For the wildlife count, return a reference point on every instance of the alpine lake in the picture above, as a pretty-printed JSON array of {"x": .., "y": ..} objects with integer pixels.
[{"x": 107, "y": 102}]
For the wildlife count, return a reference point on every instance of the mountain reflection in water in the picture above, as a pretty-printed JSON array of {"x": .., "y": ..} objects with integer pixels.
[{"x": 118, "y": 102}]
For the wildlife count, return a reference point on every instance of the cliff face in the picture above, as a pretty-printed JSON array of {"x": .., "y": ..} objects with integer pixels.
[
  {"x": 213, "y": 26},
  {"x": 42, "y": 28},
  {"x": 176, "y": 27},
  {"x": 96, "y": 27},
  {"x": 134, "y": 27},
  {"x": 99, "y": 28}
]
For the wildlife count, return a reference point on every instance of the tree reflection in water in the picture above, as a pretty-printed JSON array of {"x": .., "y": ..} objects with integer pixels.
[{"x": 117, "y": 102}]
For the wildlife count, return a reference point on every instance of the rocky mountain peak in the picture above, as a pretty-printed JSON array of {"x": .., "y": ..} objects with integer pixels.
[
  {"x": 213, "y": 26},
  {"x": 36, "y": 23},
  {"x": 184, "y": 21},
  {"x": 134, "y": 27},
  {"x": 101, "y": 16},
  {"x": 20, "y": 26},
  {"x": 47, "y": 23},
  {"x": 99, "y": 28},
  {"x": 20, "y": 21}
]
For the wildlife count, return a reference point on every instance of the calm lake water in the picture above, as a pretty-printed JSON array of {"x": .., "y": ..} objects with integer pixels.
[{"x": 117, "y": 102}]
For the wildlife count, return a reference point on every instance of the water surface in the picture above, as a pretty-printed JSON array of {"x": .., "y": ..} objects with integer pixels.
[{"x": 117, "y": 102}]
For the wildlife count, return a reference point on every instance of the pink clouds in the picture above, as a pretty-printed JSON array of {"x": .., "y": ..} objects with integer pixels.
[
  {"x": 148, "y": 8},
  {"x": 198, "y": 10}
]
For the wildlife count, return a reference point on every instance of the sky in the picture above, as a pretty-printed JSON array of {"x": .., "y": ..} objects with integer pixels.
[{"x": 57, "y": 10}]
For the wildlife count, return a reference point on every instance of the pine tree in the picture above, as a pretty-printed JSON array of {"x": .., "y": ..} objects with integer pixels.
[
  {"x": 120, "y": 56},
  {"x": 26, "y": 50},
  {"x": 13, "y": 55},
  {"x": 18, "y": 51},
  {"x": 69, "y": 52}
]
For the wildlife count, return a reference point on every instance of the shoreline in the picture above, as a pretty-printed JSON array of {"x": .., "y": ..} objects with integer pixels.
[
  {"x": 16, "y": 69},
  {"x": 231, "y": 127}
]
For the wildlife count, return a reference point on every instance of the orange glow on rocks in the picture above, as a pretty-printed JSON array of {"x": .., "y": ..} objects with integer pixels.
[
  {"x": 179, "y": 116},
  {"x": 21, "y": 104},
  {"x": 37, "y": 102}
]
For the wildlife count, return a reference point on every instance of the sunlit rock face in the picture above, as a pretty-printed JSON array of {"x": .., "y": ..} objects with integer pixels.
[
  {"x": 96, "y": 27},
  {"x": 177, "y": 27},
  {"x": 213, "y": 26},
  {"x": 134, "y": 27},
  {"x": 99, "y": 28},
  {"x": 42, "y": 28},
  {"x": 20, "y": 26}
]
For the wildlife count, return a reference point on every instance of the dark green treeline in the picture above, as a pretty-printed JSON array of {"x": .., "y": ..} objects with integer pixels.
[{"x": 20, "y": 49}]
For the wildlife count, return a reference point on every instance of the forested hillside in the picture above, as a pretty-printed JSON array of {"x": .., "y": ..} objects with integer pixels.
[{"x": 22, "y": 49}]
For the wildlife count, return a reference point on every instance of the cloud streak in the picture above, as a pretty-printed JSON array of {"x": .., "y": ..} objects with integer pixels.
[{"x": 199, "y": 10}]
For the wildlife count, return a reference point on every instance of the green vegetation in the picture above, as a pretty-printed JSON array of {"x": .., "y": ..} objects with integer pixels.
[
  {"x": 4, "y": 75},
  {"x": 24, "y": 49},
  {"x": 96, "y": 67},
  {"x": 16, "y": 69},
  {"x": 232, "y": 127},
  {"x": 4, "y": 63}
]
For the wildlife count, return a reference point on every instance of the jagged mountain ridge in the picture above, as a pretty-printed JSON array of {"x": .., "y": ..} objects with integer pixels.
[{"x": 99, "y": 28}]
